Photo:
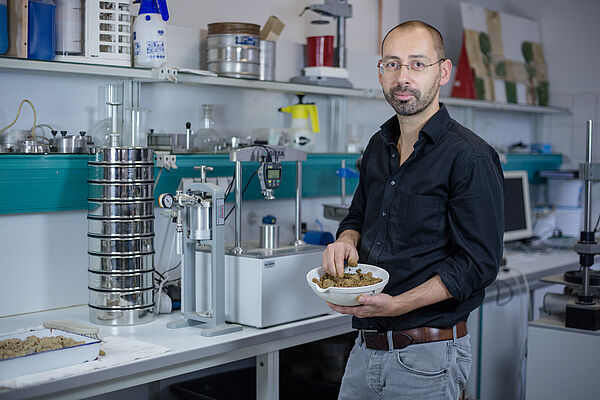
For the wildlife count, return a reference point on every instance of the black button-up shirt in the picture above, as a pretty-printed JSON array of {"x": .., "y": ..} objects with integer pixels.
[{"x": 440, "y": 213}]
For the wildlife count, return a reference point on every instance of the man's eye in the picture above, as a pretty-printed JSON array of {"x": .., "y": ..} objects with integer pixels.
[
  {"x": 391, "y": 65},
  {"x": 417, "y": 65}
]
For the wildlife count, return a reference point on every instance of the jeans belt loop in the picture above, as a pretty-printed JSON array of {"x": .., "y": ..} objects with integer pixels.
[
  {"x": 390, "y": 340},
  {"x": 454, "y": 335}
]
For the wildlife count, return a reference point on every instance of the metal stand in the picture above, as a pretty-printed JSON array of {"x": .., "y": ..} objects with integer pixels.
[
  {"x": 202, "y": 221},
  {"x": 585, "y": 313},
  {"x": 256, "y": 154}
]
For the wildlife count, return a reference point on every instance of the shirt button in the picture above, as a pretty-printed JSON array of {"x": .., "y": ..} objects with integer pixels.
[
  {"x": 393, "y": 156},
  {"x": 383, "y": 214},
  {"x": 392, "y": 183},
  {"x": 378, "y": 243}
]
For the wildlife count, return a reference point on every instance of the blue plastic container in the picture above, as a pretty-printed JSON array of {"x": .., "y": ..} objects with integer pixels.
[
  {"x": 3, "y": 27},
  {"x": 41, "y": 44}
]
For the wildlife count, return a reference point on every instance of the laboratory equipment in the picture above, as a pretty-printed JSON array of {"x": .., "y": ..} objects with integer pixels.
[
  {"x": 135, "y": 130},
  {"x": 338, "y": 74},
  {"x": 69, "y": 27},
  {"x": 150, "y": 34},
  {"x": 305, "y": 123},
  {"x": 106, "y": 37},
  {"x": 517, "y": 208},
  {"x": 269, "y": 176},
  {"x": 338, "y": 212},
  {"x": 265, "y": 287},
  {"x": 121, "y": 235},
  {"x": 68, "y": 143},
  {"x": 114, "y": 123},
  {"x": 268, "y": 233},
  {"x": 267, "y": 60},
  {"x": 198, "y": 208},
  {"x": 234, "y": 49},
  {"x": 206, "y": 138}
]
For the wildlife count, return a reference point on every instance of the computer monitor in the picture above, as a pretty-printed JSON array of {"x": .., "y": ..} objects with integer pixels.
[{"x": 517, "y": 213}]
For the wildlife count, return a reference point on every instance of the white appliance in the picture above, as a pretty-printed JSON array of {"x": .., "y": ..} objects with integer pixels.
[{"x": 263, "y": 290}]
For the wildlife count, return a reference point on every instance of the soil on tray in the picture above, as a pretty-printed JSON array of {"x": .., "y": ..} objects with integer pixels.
[
  {"x": 348, "y": 280},
  {"x": 10, "y": 348}
]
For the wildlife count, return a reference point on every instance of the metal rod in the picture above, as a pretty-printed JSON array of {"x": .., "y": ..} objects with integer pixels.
[
  {"x": 238, "y": 208},
  {"x": 588, "y": 182},
  {"x": 298, "y": 241},
  {"x": 343, "y": 183},
  {"x": 341, "y": 42}
]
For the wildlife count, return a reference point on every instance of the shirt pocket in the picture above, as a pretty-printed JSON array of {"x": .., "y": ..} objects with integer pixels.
[{"x": 418, "y": 218}]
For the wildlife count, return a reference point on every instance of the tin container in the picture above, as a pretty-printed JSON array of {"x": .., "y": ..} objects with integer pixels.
[
  {"x": 124, "y": 299},
  {"x": 267, "y": 60},
  {"x": 124, "y": 264},
  {"x": 69, "y": 144},
  {"x": 121, "y": 155},
  {"x": 120, "y": 173},
  {"x": 120, "y": 191},
  {"x": 135, "y": 316},
  {"x": 119, "y": 282},
  {"x": 120, "y": 246},
  {"x": 120, "y": 209},
  {"x": 234, "y": 49},
  {"x": 121, "y": 227}
]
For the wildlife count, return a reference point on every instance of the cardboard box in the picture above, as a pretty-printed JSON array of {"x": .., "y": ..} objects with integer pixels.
[{"x": 272, "y": 29}]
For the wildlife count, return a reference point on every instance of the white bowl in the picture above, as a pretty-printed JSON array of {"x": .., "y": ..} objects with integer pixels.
[{"x": 348, "y": 296}]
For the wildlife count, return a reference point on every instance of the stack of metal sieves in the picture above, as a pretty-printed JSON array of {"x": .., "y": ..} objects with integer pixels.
[
  {"x": 234, "y": 49},
  {"x": 121, "y": 235}
]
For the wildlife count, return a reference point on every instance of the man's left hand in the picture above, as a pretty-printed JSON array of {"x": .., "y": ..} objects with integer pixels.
[{"x": 381, "y": 305}]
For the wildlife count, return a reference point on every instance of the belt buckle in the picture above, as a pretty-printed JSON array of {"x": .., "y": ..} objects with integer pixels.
[{"x": 363, "y": 331}]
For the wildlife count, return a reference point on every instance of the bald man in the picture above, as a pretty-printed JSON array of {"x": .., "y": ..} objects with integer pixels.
[{"x": 428, "y": 209}]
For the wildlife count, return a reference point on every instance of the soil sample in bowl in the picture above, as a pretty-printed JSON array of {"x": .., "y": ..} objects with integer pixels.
[
  {"x": 348, "y": 280},
  {"x": 10, "y": 348}
]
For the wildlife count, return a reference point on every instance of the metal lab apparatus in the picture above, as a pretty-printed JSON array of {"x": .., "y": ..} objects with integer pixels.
[
  {"x": 198, "y": 209},
  {"x": 266, "y": 286}
]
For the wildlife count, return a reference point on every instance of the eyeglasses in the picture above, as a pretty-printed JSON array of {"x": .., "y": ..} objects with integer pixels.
[{"x": 415, "y": 65}]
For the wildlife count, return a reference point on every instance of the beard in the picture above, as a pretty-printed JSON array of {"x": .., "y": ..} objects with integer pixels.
[{"x": 415, "y": 105}]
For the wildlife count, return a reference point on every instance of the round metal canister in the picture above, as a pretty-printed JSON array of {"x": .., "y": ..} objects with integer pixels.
[
  {"x": 199, "y": 219},
  {"x": 121, "y": 235},
  {"x": 268, "y": 236},
  {"x": 267, "y": 60},
  {"x": 121, "y": 227},
  {"x": 123, "y": 264},
  {"x": 234, "y": 49},
  {"x": 121, "y": 317},
  {"x": 120, "y": 281}
]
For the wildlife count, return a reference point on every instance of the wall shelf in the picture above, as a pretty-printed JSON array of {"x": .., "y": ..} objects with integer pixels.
[{"x": 149, "y": 75}]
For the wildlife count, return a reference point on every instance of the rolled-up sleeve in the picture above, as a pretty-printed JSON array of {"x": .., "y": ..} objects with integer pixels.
[{"x": 476, "y": 224}]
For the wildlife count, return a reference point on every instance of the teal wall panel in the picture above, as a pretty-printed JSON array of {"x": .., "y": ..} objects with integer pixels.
[{"x": 56, "y": 182}]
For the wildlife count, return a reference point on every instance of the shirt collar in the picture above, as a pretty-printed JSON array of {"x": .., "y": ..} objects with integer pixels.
[{"x": 434, "y": 129}]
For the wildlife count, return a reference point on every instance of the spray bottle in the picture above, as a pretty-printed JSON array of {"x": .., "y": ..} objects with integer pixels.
[
  {"x": 149, "y": 34},
  {"x": 305, "y": 123}
]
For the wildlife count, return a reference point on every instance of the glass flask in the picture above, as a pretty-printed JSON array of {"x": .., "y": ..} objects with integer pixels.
[{"x": 206, "y": 138}]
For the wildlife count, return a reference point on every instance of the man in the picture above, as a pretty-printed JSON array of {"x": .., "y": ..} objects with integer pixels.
[{"x": 429, "y": 209}]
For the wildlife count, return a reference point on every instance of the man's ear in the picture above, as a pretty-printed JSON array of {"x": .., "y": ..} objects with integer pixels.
[{"x": 446, "y": 71}]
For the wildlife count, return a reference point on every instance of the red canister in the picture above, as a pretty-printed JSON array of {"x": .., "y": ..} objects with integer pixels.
[{"x": 320, "y": 51}]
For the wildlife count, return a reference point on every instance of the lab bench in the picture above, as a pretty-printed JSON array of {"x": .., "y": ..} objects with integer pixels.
[{"x": 189, "y": 351}]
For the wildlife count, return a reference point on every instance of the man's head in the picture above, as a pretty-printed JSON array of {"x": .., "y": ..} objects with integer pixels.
[{"x": 411, "y": 90}]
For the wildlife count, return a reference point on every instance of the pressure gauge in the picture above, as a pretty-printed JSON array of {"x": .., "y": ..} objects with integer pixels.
[{"x": 166, "y": 200}]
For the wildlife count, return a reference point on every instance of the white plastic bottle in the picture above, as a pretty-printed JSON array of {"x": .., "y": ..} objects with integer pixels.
[{"x": 149, "y": 34}]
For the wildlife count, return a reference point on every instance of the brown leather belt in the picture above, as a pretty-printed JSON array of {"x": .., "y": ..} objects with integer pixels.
[{"x": 378, "y": 340}]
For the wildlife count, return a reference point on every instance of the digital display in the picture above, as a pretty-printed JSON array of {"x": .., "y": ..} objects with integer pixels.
[{"x": 273, "y": 174}]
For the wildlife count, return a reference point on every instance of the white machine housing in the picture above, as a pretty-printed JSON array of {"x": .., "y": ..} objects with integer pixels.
[{"x": 263, "y": 291}]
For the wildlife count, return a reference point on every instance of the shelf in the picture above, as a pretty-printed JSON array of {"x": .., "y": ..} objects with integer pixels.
[{"x": 149, "y": 75}]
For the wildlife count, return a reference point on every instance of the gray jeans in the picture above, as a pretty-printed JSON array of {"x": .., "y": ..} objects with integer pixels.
[{"x": 427, "y": 371}]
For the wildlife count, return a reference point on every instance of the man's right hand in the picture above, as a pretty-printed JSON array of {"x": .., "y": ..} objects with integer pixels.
[{"x": 344, "y": 248}]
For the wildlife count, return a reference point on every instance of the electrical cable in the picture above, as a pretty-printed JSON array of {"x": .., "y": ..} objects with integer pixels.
[
  {"x": 511, "y": 293},
  {"x": 19, "y": 113},
  {"x": 243, "y": 191},
  {"x": 524, "y": 298}
]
